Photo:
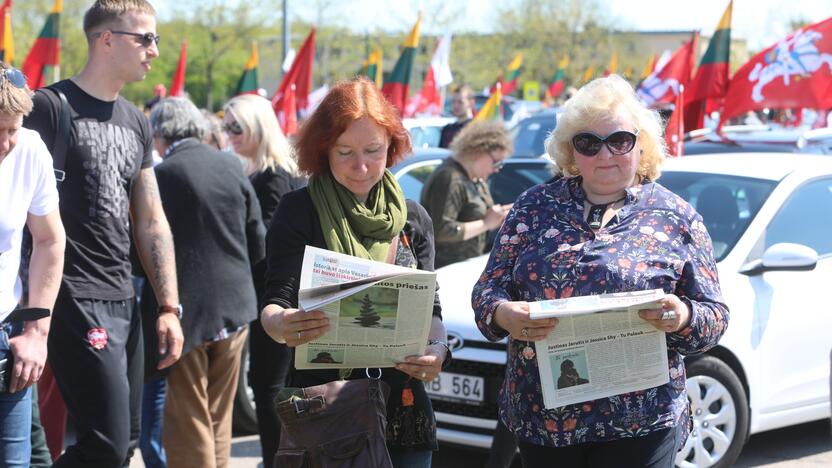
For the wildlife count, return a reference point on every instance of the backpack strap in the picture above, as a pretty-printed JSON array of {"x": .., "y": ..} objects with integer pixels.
[{"x": 63, "y": 135}]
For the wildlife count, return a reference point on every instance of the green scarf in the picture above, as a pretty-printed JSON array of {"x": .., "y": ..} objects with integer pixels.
[{"x": 353, "y": 228}]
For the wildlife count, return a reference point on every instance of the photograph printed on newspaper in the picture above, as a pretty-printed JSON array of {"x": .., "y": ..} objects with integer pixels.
[
  {"x": 379, "y": 313},
  {"x": 600, "y": 347}
]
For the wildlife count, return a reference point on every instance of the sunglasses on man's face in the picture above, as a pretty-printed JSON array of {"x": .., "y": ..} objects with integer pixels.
[
  {"x": 233, "y": 128},
  {"x": 145, "y": 39},
  {"x": 13, "y": 76},
  {"x": 619, "y": 143}
]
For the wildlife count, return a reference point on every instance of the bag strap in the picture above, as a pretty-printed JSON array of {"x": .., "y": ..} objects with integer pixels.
[
  {"x": 62, "y": 135},
  {"x": 26, "y": 315}
]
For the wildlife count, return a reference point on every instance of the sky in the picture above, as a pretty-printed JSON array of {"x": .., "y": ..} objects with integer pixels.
[{"x": 760, "y": 22}]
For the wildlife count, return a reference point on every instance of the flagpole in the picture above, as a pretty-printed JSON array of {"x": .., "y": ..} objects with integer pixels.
[{"x": 285, "y": 30}]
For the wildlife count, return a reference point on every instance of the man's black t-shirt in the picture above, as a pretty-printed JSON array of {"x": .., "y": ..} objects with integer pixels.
[
  {"x": 449, "y": 132},
  {"x": 111, "y": 142}
]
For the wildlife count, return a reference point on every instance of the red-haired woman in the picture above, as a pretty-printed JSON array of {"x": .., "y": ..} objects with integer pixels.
[{"x": 353, "y": 205}]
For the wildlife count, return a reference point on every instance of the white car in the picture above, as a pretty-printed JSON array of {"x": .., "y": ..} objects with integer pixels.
[
  {"x": 425, "y": 132},
  {"x": 770, "y": 218}
]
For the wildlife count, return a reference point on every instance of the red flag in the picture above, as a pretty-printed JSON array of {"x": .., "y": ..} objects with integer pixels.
[
  {"x": 662, "y": 86},
  {"x": 177, "y": 85},
  {"x": 674, "y": 133},
  {"x": 794, "y": 73},
  {"x": 428, "y": 99},
  {"x": 288, "y": 113},
  {"x": 300, "y": 75}
]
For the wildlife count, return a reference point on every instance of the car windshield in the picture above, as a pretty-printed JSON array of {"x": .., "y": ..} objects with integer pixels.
[
  {"x": 517, "y": 177},
  {"x": 506, "y": 185},
  {"x": 727, "y": 204},
  {"x": 530, "y": 134}
]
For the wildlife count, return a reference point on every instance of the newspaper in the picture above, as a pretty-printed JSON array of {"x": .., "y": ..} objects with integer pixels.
[
  {"x": 379, "y": 313},
  {"x": 600, "y": 347}
]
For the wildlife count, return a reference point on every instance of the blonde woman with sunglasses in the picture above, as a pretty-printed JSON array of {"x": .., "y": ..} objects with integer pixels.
[
  {"x": 269, "y": 161},
  {"x": 606, "y": 226}
]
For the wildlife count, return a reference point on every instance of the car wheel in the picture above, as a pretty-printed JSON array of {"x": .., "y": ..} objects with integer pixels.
[
  {"x": 245, "y": 411},
  {"x": 719, "y": 409}
]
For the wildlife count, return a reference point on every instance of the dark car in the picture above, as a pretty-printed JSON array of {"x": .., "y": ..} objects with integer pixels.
[
  {"x": 514, "y": 178},
  {"x": 529, "y": 135}
]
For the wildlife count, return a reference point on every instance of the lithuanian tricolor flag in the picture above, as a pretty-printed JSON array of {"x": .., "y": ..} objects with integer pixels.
[
  {"x": 397, "y": 86},
  {"x": 558, "y": 83},
  {"x": 45, "y": 56},
  {"x": 248, "y": 82},
  {"x": 371, "y": 68},
  {"x": 6, "y": 40},
  {"x": 491, "y": 110},
  {"x": 515, "y": 68},
  {"x": 710, "y": 83}
]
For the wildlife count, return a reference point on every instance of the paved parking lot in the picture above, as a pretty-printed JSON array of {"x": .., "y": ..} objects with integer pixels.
[{"x": 804, "y": 446}]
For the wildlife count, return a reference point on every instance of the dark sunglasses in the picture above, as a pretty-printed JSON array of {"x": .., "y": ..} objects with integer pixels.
[
  {"x": 13, "y": 76},
  {"x": 145, "y": 39},
  {"x": 620, "y": 142},
  {"x": 233, "y": 127}
]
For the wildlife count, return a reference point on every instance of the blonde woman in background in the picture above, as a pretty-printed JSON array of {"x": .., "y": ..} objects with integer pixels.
[{"x": 269, "y": 162}]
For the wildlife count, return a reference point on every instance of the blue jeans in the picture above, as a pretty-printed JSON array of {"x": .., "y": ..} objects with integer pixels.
[
  {"x": 410, "y": 458},
  {"x": 15, "y": 414},
  {"x": 153, "y": 407}
]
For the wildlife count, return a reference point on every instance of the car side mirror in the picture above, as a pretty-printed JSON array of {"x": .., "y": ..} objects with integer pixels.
[{"x": 783, "y": 256}]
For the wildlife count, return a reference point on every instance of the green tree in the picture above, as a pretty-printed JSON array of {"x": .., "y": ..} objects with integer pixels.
[{"x": 368, "y": 316}]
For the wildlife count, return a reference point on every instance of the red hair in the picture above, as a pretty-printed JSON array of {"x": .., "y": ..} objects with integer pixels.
[{"x": 345, "y": 103}]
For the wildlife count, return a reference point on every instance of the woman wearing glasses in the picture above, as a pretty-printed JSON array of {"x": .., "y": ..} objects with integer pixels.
[
  {"x": 354, "y": 205},
  {"x": 269, "y": 162},
  {"x": 605, "y": 227},
  {"x": 456, "y": 194}
]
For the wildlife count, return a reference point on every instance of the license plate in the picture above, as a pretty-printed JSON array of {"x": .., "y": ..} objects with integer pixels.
[{"x": 457, "y": 387}]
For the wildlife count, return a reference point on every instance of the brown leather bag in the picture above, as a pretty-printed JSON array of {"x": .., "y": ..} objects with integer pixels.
[{"x": 339, "y": 424}]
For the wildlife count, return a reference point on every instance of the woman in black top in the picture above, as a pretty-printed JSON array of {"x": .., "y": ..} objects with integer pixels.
[
  {"x": 255, "y": 135},
  {"x": 346, "y": 145}
]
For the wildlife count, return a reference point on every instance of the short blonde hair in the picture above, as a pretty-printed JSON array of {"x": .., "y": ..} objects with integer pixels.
[
  {"x": 256, "y": 117},
  {"x": 109, "y": 12},
  {"x": 14, "y": 100},
  {"x": 479, "y": 137},
  {"x": 598, "y": 99}
]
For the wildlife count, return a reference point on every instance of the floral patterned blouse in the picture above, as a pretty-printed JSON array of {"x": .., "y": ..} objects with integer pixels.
[{"x": 546, "y": 250}]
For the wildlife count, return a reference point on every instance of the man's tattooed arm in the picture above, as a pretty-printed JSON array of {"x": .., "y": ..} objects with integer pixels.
[{"x": 154, "y": 240}]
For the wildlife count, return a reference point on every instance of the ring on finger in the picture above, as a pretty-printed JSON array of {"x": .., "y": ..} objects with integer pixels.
[
  {"x": 669, "y": 315},
  {"x": 424, "y": 374},
  {"x": 299, "y": 332},
  {"x": 524, "y": 331}
]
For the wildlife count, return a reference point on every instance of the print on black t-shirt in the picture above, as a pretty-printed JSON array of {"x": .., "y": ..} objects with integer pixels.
[{"x": 111, "y": 142}]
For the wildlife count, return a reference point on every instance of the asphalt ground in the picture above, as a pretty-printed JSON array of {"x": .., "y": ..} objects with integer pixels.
[{"x": 804, "y": 446}]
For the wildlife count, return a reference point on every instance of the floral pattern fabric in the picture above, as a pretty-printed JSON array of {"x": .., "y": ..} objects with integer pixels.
[{"x": 546, "y": 250}]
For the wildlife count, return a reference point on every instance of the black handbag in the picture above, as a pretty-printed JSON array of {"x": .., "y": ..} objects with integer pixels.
[{"x": 339, "y": 424}]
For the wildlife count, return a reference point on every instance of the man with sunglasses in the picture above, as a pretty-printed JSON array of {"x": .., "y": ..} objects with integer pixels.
[
  {"x": 29, "y": 198},
  {"x": 95, "y": 344}
]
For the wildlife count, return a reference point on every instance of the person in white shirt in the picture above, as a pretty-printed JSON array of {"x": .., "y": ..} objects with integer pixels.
[{"x": 28, "y": 197}]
